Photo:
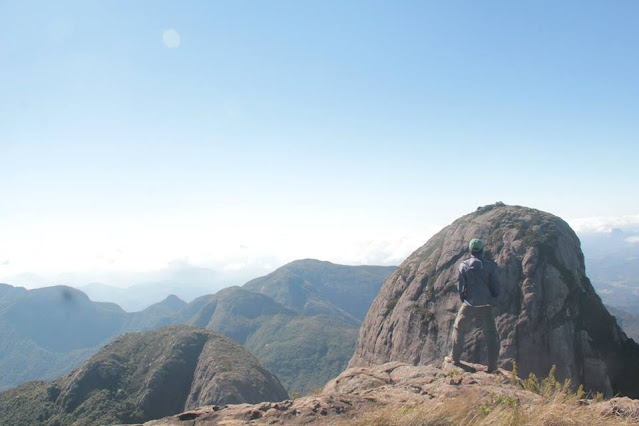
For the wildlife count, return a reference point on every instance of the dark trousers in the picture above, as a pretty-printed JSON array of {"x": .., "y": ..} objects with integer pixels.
[{"x": 465, "y": 318}]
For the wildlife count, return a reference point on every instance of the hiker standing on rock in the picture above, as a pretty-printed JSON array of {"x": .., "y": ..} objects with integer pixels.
[{"x": 478, "y": 289}]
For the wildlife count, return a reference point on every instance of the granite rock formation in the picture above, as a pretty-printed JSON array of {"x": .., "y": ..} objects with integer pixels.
[{"x": 547, "y": 314}]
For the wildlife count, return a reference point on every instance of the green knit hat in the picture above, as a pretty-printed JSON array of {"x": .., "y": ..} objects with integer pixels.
[{"x": 476, "y": 245}]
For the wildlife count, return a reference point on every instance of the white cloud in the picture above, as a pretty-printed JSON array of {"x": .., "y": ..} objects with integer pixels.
[
  {"x": 605, "y": 224},
  {"x": 123, "y": 254},
  {"x": 171, "y": 38},
  {"x": 633, "y": 240},
  {"x": 234, "y": 243}
]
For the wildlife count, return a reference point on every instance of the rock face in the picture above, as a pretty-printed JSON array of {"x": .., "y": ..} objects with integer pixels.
[
  {"x": 548, "y": 312},
  {"x": 143, "y": 376}
]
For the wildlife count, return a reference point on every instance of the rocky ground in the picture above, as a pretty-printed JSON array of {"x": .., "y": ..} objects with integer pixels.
[{"x": 361, "y": 392}]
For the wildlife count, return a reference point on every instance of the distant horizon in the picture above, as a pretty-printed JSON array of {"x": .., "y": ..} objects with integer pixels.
[{"x": 384, "y": 253}]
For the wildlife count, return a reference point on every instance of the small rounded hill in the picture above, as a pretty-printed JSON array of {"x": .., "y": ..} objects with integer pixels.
[{"x": 144, "y": 376}]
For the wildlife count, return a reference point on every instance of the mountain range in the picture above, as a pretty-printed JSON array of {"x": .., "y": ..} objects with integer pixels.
[
  {"x": 46, "y": 332},
  {"x": 304, "y": 337},
  {"x": 612, "y": 263},
  {"x": 304, "y": 321}
]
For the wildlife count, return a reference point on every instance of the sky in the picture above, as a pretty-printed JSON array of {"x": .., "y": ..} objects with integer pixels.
[{"x": 141, "y": 137}]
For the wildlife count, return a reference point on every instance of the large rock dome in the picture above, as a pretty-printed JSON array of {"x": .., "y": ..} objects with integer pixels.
[{"x": 547, "y": 314}]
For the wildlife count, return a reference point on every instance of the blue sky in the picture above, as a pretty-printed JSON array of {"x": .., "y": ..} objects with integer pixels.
[{"x": 343, "y": 130}]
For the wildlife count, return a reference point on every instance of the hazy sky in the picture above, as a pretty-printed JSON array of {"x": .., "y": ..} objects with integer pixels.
[{"x": 137, "y": 135}]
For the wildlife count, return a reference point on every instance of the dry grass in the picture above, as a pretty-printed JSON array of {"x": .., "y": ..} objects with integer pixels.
[
  {"x": 477, "y": 409},
  {"x": 530, "y": 402}
]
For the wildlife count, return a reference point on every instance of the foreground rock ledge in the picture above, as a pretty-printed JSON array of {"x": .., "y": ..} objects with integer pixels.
[{"x": 359, "y": 390}]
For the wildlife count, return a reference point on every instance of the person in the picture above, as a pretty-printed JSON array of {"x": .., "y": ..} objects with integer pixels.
[{"x": 478, "y": 286}]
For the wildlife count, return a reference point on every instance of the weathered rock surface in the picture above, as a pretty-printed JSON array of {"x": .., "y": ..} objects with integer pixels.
[
  {"x": 361, "y": 390},
  {"x": 548, "y": 312},
  {"x": 142, "y": 376}
]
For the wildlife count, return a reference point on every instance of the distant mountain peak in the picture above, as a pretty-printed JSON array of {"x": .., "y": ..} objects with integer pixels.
[
  {"x": 307, "y": 261},
  {"x": 173, "y": 302},
  {"x": 316, "y": 287}
]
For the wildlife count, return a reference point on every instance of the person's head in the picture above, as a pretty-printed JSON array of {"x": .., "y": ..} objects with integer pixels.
[{"x": 476, "y": 246}]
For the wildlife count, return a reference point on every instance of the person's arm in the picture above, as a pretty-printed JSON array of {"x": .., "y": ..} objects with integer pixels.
[{"x": 461, "y": 283}]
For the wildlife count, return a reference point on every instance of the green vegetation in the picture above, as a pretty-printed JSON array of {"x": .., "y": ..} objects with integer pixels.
[
  {"x": 390, "y": 305},
  {"x": 316, "y": 287},
  {"x": 495, "y": 241},
  {"x": 549, "y": 388},
  {"x": 139, "y": 377},
  {"x": 303, "y": 351},
  {"x": 306, "y": 335},
  {"x": 430, "y": 286},
  {"x": 499, "y": 402},
  {"x": 424, "y": 312}
]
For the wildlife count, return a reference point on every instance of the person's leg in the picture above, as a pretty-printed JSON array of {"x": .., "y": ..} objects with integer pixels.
[
  {"x": 459, "y": 332},
  {"x": 492, "y": 337}
]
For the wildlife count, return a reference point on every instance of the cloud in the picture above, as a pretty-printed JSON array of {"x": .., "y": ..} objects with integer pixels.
[
  {"x": 633, "y": 240},
  {"x": 605, "y": 224},
  {"x": 171, "y": 38}
]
